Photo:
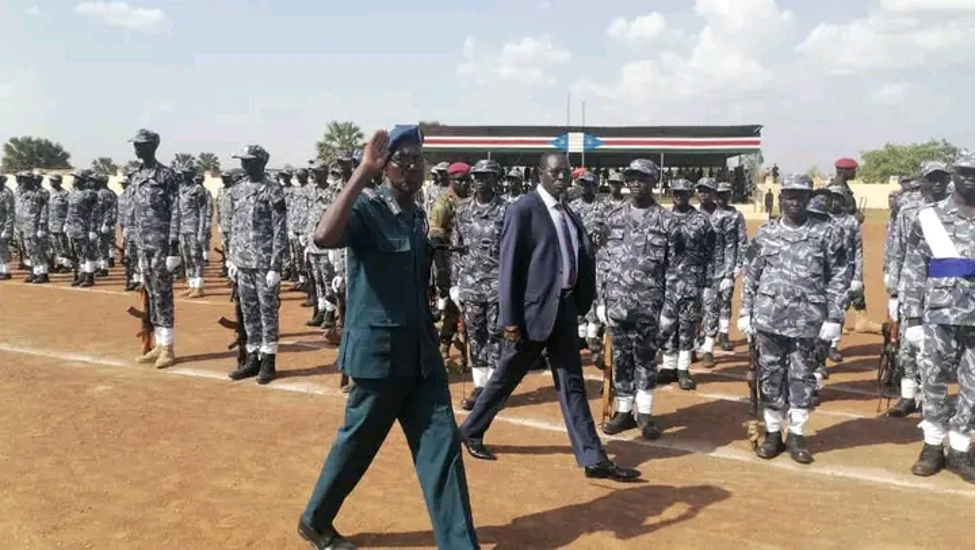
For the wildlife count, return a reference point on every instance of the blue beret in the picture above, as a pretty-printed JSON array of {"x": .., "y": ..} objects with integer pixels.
[{"x": 403, "y": 135}]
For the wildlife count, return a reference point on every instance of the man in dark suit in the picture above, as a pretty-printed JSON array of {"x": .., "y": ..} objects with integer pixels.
[{"x": 546, "y": 276}]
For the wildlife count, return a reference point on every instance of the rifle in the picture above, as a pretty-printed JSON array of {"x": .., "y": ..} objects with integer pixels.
[
  {"x": 241, "y": 335},
  {"x": 607, "y": 393},
  {"x": 888, "y": 376},
  {"x": 755, "y": 421},
  {"x": 146, "y": 333}
]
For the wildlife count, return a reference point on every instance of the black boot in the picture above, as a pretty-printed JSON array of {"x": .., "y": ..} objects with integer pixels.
[
  {"x": 618, "y": 423},
  {"x": 835, "y": 355},
  {"x": 251, "y": 366},
  {"x": 79, "y": 278},
  {"x": 468, "y": 403},
  {"x": 647, "y": 426},
  {"x": 316, "y": 319},
  {"x": 930, "y": 461},
  {"x": 961, "y": 463},
  {"x": 329, "y": 319},
  {"x": 41, "y": 279},
  {"x": 87, "y": 281},
  {"x": 30, "y": 278},
  {"x": 773, "y": 445},
  {"x": 799, "y": 452},
  {"x": 708, "y": 361},
  {"x": 101, "y": 273},
  {"x": 666, "y": 376},
  {"x": 267, "y": 372},
  {"x": 903, "y": 408},
  {"x": 111, "y": 263},
  {"x": 724, "y": 342},
  {"x": 685, "y": 380},
  {"x": 132, "y": 286},
  {"x": 309, "y": 302}
]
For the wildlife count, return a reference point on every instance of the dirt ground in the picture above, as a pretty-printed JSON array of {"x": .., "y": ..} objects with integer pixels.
[{"x": 97, "y": 452}]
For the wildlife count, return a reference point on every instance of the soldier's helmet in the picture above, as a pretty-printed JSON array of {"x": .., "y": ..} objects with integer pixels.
[
  {"x": 642, "y": 166},
  {"x": 252, "y": 152},
  {"x": 145, "y": 136},
  {"x": 486, "y": 166},
  {"x": 801, "y": 182},
  {"x": 680, "y": 184},
  {"x": 440, "y": 168},
  {"x": 707, "y": 182},
  {"x": 724, "y": 187},
  {"x": 932, "y": 166},
  {"x": 515, "y": 174}
]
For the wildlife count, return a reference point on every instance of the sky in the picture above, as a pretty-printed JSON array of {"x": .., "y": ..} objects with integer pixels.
[{"x": 826, "y": 78}]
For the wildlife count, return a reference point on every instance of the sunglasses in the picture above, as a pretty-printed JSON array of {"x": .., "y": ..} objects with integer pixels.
[{"x": 405, "y": 160}]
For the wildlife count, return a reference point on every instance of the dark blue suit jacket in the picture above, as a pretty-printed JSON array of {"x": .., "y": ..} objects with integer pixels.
[{"x": 530, "y": 269}]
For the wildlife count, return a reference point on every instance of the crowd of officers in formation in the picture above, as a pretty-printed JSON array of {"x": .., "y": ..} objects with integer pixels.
[{"x": 665, "y": 275}]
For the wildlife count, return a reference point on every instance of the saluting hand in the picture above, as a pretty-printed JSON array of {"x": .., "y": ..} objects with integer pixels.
[{"x": 375, "y": 152}]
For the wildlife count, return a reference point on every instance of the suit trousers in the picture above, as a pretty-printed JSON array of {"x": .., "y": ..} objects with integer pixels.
[{"x": 563, "y": 350}]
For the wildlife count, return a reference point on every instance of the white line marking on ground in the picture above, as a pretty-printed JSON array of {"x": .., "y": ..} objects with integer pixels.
[
  {"x": 94, "y": 290},
  {"x": 725, "y": 453}
]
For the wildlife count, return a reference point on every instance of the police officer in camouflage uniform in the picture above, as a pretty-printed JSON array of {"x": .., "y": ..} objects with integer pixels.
[
  {"x": 724, "y": 270},
  {"x": 691, "y": 272},
  {"x": 851, "y": 231},
  {"x": 155, "y": 221},
  {"x": 133, "y": 277},
  {"x": 934, "y": 177},
  {"x": 297, "y": 198},
  {"x": 193, "y": 223},
  {"x": 79, "y": 226},
  {"x": 437, "y": 187},
  {"x": 7, "y": 216},
  {"x": 441, "y": 225},
  {"x": 909, "y": 194},
  {"x": 33, "y": 226},
  {"x": 208, "y": 216},
  {"x": 224, "y": 214},
  {"x": 327, "y": 177},
  {"x": 260, "y": 243},
  {"x": 591, "y": 210},
  {"x": 108, "y": 217},
  {"x": 641, "y": 241},
  {"x": 57, "y": 214},
  {"x": 478, "y": 230},
  {"x": 616, "y": 196},
  {"x": 794, "y": 293},
  {"x": 938, "y": 306},
  {"x": 724, "y": 192},
  {"x": 513, "y": 185}
]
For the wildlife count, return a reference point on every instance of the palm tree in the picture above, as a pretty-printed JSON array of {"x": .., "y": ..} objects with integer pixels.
[
  {"x": 208, "y": 162},
  {"x": 184, "y": 159},
  {"x": 105, "y": 166},
  {"x": 338, "y": 137},
  {"x": 28, "y": 153}
]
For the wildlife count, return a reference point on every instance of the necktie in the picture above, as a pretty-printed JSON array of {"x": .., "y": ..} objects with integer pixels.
[{"x": 565, "y": 230}]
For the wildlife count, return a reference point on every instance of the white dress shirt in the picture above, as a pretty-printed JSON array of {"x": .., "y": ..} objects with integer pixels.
[{"x": 565, "y": 248}]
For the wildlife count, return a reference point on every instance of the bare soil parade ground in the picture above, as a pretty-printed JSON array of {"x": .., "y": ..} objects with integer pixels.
[{"x": 97, "y": 452}]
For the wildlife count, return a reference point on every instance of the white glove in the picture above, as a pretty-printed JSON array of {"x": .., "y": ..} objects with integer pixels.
[
  {"x": 272, "y": 278},
  {"x": 915, "y": 335},
  {"x": 856, "y": 286},
  {"x": 455, "y": 294},
  {"x": 665, "y": 323},
  {"x": 442, "y": 303},
  {"x": 830, "y": 331},
  {"x": 745, "y": 324},
  {"x": 887, "y": 281},
  {"x": 172, "y": 262},
  {"x": 894, "y": 309},
  {"x": 105, "y": 229},
  {"x": 337, "y": 284},
  {"x": 4, "y": 236},
  {"x": 40, "y": 234},
  {"x": 231, "y": 271},
  {"x": 93, "y": 236},
  {"x": 602, "y": 313},
  {"x": 727, "y": 284}
]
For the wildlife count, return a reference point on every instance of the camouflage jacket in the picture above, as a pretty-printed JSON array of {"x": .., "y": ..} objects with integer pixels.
[
  {"x": 258, "y": 232},
  {"x": 478, "y": 228},
  {"x": 896, "y": 246},
  {"x": 80, "y": 219},
  {"x": 851, "y": 232},
  {"x": 896, "y": 206},
  {"x": 796, "y": 278},
  {"x": 154, "y": 207},
  {"x": 193, "y": 210},
  {"x": 319, "y": 200},
  {"x": 208, "y": 211},
  {"x": 431, "y": 194},
  {"x": 639, "y": 251},
  {"x": 693, "y": 268},
  {"x": 35, "y": 211},
  {"x": 107, "y": 209},
  {"x": 297, "y": 200},
  {"x": 57, "y": 210},
  {"x": 125, "y": 208},
  {"x": 7, "y": 213},
  {"x": 742, "y": 239},
  {"x": 591, "y": 213},
  {"x": 938, "y": 274},
  {"x": 727, "y": 239},
  {"x": 442, "y": 215},
  {"x": 224, "y": 212}
]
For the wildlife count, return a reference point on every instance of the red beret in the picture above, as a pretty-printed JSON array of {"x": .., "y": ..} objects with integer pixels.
[
  {"x": 458, "y": 169},
  {"x": 846, "y": 163},
  {"x": 577, "y": 172}
]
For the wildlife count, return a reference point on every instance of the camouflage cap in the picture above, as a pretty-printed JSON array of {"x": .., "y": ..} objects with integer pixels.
[
  {"x": 801, "y": 182},
  {"x": 680, "y": 184},
  {"x": 707, "y": 182},
  {"x": 225, "y": 174},
  {"x": 642, "y": 166},
  {"x": 199, "y": 178},
  {"x": 837, "y": 190},
  {"x": 913, "y": 184},
  {"x": 319, "y": 165},
  {"x": 285, "y": 173},
  {"x": 964, "y": 160},
  {"x": 486, "y": 166},
  {"x": 819, "y": 204},
  {"x": 145, "y": 136},
  {"x": 252, "y": 152},
  {"x": 615, "y": 176},
  {"x": 588, "y": 178},
  {"x": 440, "y": 168},
  {"x": 515, "y": 173},
  {"x": 187, "y": 169},
  {"x": 932, "y": 166},
  {"x": 724, "y": 187}
]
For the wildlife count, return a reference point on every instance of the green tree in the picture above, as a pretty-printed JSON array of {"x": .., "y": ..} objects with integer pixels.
[
  {"x": 208, "y": 162},
  {"x": 815, "y": 173},
  {"x": 338, "y": 137},
  {"x": 28, "y": 153},
  {"x": 184, "y": 159},
  {"x": 898, "y": 160},
  {"x": 105, "y": 166}
]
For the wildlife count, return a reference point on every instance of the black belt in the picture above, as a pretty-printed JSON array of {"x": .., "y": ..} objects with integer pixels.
[{"x": 566, "y": 292}]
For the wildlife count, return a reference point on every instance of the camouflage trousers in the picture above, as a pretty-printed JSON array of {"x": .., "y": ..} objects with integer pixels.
[
  {"x": 106, "y": 245},
  {"x": 83, "y": 252},
  {"x": 193, "y": 255},
  {"x": 633, "y": 350},
  {"x": 260, "y": 305},
  {"x": 4, "y": 251},
  {"x": 908, "y": 359},
  {"x": 484, "y": 336},
  {"x": 159, "y": 284},
  {"x": 786, "y": 371},
  {"x": 710, "y": 310},
  {"x": 726, "y": 304},
  {"x": 296, "y": 255},
  {"x": 322, "y": 274},
  {"x": 37, "y": 250},
  {"x": 449, "y": 323},
  {"x": 948, "y": 348},
  {"x": 688, "y": 313},
  {"x": 60, "y": 245}
]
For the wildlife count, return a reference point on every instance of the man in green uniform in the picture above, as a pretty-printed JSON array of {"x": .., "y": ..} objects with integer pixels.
[{"x": 389, "y": 347}]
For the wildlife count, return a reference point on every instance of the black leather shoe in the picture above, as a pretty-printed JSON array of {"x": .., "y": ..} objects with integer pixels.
[
  {"x": 88, "y": 281},
  {"x": 266, "y": 372},
  {"x": 961, "y": 463},
  {"x": 330, "y": 540},
  {"x": 797, "y": 446},
  {"x": 903, "y": 408},
  {"x": 468, "y": 403},
  {"x": 685, "y": 381},
  {"x": 621, "y": 421},
  {"x": 316, "y": 319},
  {"x": 708, "y": 361},
  {"x": 30, "y": 278},
  {"x": 666, "y": 376},
  {"x": 41, "y": 279},
  {"x": 724, "y": 342},
  {"x": 647, "y": 426},
  {"x": 931, "y": 460},
  {"x": 328, "y": 320},
  {"x": 477, "y": 449},
  {"x": 773, "y": 445},
  {"x": 835, "y": 355},
  {"x": 251, "y": 366},
  {"x": 607, "y": 469}
]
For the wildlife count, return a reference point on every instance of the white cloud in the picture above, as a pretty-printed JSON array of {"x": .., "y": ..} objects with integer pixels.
[
  {"x": 641, "y": 28},
  {"x": 892, "y": 93},
  {"x": 121, "y": 14},
  {"x": 885, "y": 40},
  {"x": 527, "y": 60},
  {"x": 915, "y": 6},
  {"x": 33, "y": 10}
]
